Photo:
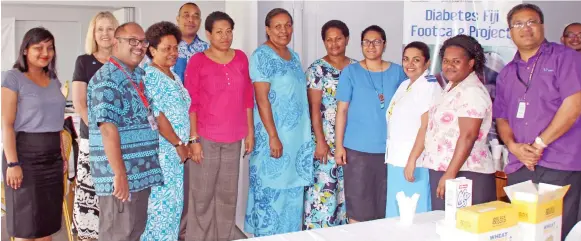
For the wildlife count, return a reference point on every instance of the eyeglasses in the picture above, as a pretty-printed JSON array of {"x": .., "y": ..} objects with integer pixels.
[
  {"x": 572, "y": 35},
  {"x": 521, "y": 25},
  {"x": 375, "y": 43},
  {"x": 135, "y": 42}
]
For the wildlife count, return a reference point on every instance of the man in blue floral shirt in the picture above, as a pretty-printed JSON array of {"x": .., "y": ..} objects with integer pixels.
[
  {"x": 189, "y": 20},
  {"x": 123, "y": 142}
]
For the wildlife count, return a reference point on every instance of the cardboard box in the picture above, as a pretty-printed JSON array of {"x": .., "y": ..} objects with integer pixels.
[
  {"x": 494, "y": 221},
  {"x": 458, "y": 195},
  {"x": 540, "y": 209}
]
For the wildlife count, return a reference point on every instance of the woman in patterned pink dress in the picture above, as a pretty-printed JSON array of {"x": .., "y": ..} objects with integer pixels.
[{"x": 459, "y": 122}]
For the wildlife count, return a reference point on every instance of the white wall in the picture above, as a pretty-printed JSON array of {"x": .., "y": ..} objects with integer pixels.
[
  {"x": 558, "y": 14},
  {"x": 357, "y": 15}
]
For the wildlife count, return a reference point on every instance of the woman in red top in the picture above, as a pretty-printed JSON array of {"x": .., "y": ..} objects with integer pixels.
[{"x": 221, "y": 117}]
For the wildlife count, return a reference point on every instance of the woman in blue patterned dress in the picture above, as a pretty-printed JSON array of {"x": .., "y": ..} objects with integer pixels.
[
  {"x": 325, "y": 200},
  {"x": 281, "y": 165},
  {"x": 170, "y": 102}
]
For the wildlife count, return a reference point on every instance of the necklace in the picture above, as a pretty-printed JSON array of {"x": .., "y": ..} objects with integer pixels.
[
  {"x": 380, "y": 92},
  {"x": 390, "y": 111}
]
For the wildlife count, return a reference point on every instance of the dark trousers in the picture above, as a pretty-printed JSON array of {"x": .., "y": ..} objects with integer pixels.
[
  {"x": 483, "y": 188},
  {"x": 560, "y": 178}
]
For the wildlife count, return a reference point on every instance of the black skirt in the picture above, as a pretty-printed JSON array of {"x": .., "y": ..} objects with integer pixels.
[{"x": 35, "y": 209}]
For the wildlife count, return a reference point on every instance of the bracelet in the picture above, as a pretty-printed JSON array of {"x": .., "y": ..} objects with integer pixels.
[
  {"x": 13, "y": 164},
  {"x": 194, "y": 140}
]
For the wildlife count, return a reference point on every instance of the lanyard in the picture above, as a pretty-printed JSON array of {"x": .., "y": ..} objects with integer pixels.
[
  {"x": 528, "y": 84},
  {"x": 139, "y": 89}
]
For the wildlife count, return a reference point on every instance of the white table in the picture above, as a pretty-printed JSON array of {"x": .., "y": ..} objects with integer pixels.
[{"x": 423, "y": 229}]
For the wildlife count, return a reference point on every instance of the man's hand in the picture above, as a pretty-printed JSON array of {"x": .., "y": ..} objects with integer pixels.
[
  {"x": 121, "y": 187},
  {"x": 526, "y": 154}
]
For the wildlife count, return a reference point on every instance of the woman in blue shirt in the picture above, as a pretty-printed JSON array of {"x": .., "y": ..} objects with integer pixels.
[{"x": 363, "y": 94}]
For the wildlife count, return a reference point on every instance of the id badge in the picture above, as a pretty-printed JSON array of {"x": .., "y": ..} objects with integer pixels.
[
  {"x": 522, "y": 106},
  {"x": 151, "y": 120}
]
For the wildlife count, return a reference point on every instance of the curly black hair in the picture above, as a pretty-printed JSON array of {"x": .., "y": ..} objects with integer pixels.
[
  {"x": 472, "y": 48},
  {"x": 217, "y": 16},
  {"x": 338, "y": 24},
  {"x": 159, "y": 30}
]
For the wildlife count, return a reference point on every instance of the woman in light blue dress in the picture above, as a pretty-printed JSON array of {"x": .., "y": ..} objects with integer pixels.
[
  {"x": 325, "y": 199},
  {"x": 170, "y": 102},
  {"x": 281, "y": 164}
]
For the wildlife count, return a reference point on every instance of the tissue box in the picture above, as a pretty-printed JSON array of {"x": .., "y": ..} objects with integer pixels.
[
  {"x": 540, "y": 209},
  {"x": 458, "y": 195}
]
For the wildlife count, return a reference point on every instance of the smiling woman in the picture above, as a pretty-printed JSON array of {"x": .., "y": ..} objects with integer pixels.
[
  {"x": 281, "y": 165},
  {"x": 98, "y": 47},
  {"x": 32, "y": 118},
  {"x": 363, "y": 93}
]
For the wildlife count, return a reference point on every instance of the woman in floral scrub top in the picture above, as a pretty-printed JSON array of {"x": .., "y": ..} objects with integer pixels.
[
  {"x": 459, "y": 121},
  {"x": 324, "y": 200}
]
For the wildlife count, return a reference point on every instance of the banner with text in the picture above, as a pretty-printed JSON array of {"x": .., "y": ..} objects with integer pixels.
[{"x": 432, "y": 22}]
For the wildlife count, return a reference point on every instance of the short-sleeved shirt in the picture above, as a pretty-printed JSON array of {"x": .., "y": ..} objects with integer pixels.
[
  {"x": 556, "y": 76},
  {"x": 221, "y": 96},
  {"x": 469, "y": 99},
  {"x": 185, "y": 52},
  {"x": 39, "y": 109},
  {"x": 404, "y": 116},
  {"x": 366, "y": 125},
  {"x": 324, "y": 77},
  {"x": 85, "y": 67},
  {"x": 112, "y": 99}
]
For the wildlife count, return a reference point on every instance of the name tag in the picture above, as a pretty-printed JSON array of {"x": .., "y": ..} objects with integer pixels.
[
  {"x": 151, "y": 120},
  {"x": 520, "y": 113}
]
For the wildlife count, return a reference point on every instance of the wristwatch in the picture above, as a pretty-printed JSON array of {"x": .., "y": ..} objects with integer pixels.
[
  {"x": 540, "y": 142},
  {"x": 194, "y": 140},
  {"x": 13, "y": 164},
  {"x": 179, "y": 144}
]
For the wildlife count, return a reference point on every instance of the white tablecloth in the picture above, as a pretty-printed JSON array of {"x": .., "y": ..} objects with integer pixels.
[{"x": 423, "y": 229}]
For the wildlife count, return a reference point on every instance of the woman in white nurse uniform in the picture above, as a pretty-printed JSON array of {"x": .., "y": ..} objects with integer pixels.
[{"x": 407, "y": 112}]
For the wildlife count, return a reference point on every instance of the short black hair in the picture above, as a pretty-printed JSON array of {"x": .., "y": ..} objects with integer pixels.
[
  {"x": 570, "y": 25},
  {"x": 273, "y": 13},
  {"x": 338, "y": 24},
  {"x": 524, "y": 6},
  {"x": 472, "y": 48},
  {"x": 421, "y": 46},
  {"x": 121, "y": 29},
  {"x": 159, "y": 30},
  {"x": 217, "y": 16},
  {"x": 35, "y": 36},
  {"x": 374, "y": 28},
  {"x": 188, "y": 3}
]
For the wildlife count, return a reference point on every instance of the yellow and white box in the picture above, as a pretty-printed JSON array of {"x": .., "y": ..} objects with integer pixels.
[
  {"x": 540, "y": 209},
  {"x": 493, "y": 221},
  {"x": 458, "y": 195}
]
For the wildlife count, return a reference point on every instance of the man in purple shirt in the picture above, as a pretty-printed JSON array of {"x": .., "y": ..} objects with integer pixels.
[
  {"x": 572, "y": 36},
  {"x": 537, "y": 109}
]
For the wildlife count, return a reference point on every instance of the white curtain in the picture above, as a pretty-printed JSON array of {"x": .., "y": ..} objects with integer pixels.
[{"x": 8, "y": 43}]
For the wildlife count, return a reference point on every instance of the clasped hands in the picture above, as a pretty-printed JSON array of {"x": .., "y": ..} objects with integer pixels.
[{"x": 528, "y": 154}]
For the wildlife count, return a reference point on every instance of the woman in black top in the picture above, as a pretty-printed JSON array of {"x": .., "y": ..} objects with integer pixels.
[{"x": 98, "y": 46}]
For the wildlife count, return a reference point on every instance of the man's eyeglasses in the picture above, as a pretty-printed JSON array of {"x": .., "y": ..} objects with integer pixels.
[
  {"x": 521, "y": 25},
  {"x": 572, "y": 35},
  {"x": 375, "y": 43},
  {"x": 135, "y": 42}
]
